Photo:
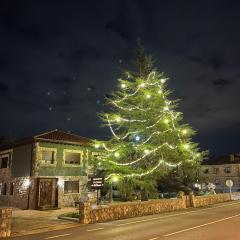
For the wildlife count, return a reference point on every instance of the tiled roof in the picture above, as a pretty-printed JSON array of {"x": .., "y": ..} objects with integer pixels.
[
  {"x": 226, "y": 159},
  {"x": 64, "y": 137},
  {"x": 56, "y": 136}
]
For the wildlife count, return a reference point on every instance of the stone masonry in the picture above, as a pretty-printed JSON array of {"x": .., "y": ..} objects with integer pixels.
[
  {"x": 5, "y": 222},
  {"x": 129, "y": 210},
  {"x": 136, "y": 209}
]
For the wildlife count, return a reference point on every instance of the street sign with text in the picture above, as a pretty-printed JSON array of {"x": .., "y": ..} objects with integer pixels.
[{"x": 97, "y": 182}]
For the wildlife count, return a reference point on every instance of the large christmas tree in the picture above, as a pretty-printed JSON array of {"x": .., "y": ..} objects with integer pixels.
[{"x": 148, "y": 134}]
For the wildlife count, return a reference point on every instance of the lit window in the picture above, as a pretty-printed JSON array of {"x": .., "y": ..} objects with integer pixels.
[
  {"x": 72, "y": 158},
  {"x": 71, "y": 187},
  {"x": 48, "y": 157}
]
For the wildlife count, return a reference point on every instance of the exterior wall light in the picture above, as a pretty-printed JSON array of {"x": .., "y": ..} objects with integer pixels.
[
  {"x": 60, "y": 183},
  {"x": 26, "y": 183}
]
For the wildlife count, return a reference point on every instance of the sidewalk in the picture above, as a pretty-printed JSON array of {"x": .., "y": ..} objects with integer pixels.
[{"x": 26, "y": 222}]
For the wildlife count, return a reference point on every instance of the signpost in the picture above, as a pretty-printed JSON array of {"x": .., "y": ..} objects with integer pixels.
[
  {"x": 229, "y": 183},
  {"x": 97, "y": 183}
]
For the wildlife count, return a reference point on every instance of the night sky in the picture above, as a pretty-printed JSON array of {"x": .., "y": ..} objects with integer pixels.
[{"x": 59, "y": 58}]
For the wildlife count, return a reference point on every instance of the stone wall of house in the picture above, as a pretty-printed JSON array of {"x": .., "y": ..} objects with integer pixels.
[
  {"x": 5, "y": 222},
  {"x": 23, "y": 193},
  {"x": 70, "y": 199},
  {"x": 59, "y": 168},
  {"x": 5, "y": 176}
]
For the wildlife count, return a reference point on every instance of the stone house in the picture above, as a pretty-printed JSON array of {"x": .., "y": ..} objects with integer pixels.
[
  {"x": 218, "y": 170},
  {"x": 48, "y": 170}
]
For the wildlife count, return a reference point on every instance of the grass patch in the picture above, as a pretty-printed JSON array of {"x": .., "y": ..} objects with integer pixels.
[{"x": 71, "y": 215}]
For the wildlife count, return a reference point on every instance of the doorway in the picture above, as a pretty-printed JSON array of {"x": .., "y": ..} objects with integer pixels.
[{"x": 47, "y": 193}]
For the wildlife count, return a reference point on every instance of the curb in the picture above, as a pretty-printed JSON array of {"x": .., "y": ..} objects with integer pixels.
[
  {"x": 45, "y": 229},
  {"x": 69, "y": 219}
]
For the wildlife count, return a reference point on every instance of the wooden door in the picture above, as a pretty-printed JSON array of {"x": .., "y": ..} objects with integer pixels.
[{"x": 47, "y": 193}]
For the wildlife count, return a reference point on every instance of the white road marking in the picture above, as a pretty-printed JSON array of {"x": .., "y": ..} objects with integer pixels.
[
  {"x": 95, "y": 229},
  {"x": 202, "y": 225},
  {"x": 174, "y": 215},
  {"x": 153, "y": 238},
  {"x": 57, "y": 236}
]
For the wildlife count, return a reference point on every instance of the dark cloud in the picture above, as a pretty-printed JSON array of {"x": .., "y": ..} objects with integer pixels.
[
  {"x": 200, "y": 110},
  {"x": 214, "y": 61},
  {"x": 87, "y": 52},
  {"x": 118, "y": 29},
  {"x": 217, "y": 62},
  {"x": 221, "y": 83}
]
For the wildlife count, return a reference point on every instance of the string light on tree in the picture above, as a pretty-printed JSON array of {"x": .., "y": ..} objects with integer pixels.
[
  {"x": 137, "y": 138},
  {"x": 115, "y": 178},
  {"x": 97, "y": 145},
  {"x": 146, "y": 151},
  {"x": 123, "y": 85},
  {"x": 118, "y": 119},
  {"x": 186, "y": 146},
  {"x": 184, "y": 131},
  {"x": 166, "y": 121},
  {"x": 163, "y": 80},
  {"x": 116, "y": 154}
]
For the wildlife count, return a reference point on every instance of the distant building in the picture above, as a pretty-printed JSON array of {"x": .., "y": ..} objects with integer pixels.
[
  {"x": 45, "y": 171},
  {"x": 220, "y": 169}
]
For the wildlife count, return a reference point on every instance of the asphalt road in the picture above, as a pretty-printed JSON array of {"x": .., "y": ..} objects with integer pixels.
[{"x": 218, "y": 222}]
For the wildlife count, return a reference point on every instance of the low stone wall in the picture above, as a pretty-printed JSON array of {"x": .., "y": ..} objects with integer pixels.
[
  {"x": 129, "y": 210},
  {"x": 5, "y": 222},
  {"x": 137, "y": 209},
  {"x": 200, "y": 201}
]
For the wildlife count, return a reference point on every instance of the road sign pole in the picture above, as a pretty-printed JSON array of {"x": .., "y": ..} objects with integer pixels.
[
  {"x": 97, "y": 197},
  {"x": 229, "y": 183}
]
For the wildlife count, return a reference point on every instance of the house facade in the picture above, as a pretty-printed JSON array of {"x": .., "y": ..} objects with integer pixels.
[
  {"x": 220, "y": 169},
  {"x": 49, "y": 170}
]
